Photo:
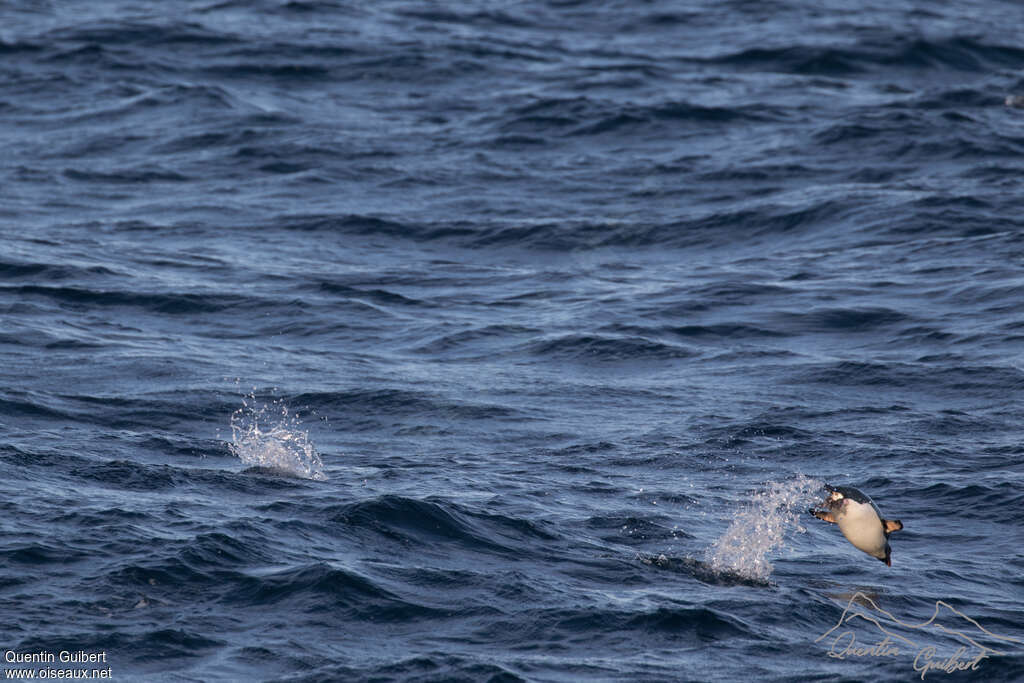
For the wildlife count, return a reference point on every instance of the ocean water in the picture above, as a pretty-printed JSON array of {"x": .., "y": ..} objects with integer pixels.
[{"x": 510, "y": 341}]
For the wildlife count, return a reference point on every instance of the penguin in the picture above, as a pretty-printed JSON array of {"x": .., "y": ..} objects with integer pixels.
[{"x": 859, "y": 520}]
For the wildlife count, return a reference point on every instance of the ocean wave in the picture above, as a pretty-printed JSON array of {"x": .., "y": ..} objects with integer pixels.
[
  {"x": 14, "y": 270},
  {"x": 724, "y": 331},
  {"x": 375, "y": 403},
  {"x": 428, "y": 666},
  {"x": 180, "y": 303},
  {"x": 954, "y": 52},
  {"x": 426, "y": 523},
  {"x": 842, "y": 320},
  {"x": 980, "y": 380},
  {"x": 134, "y": 175},
  {"x": 146, "y": 421},
  {"x": 128, "y": 476},
  {"x": 472, "y": 339},
  {"x": 710, "y": 229},
  {"x": 607, "y": 349},
  {"x": 976, "y": 501},
  {"x": 324, "y": 588},
  {"x": 34, "y": 554},
  {"x": 148, "y": 649},
  {"x": 747, "y": 222},
  {"x": 478, "y": 18},
  {"x": 379, "y": 296},
  {"x": 592, "y": 629},
  {"x": 29, "y": 406},
  {"x": 635, "y": 531},
  {"x": 144, "y": 33},
  {"x": 586, "y": 116}
]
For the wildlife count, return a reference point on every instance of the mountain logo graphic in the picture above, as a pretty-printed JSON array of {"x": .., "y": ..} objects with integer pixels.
[{"x": 947, "y": 641}]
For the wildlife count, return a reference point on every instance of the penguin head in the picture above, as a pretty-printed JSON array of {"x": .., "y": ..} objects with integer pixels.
[
  {"x": 836, "y": 493},
  {"x": 836, "y": 500}
]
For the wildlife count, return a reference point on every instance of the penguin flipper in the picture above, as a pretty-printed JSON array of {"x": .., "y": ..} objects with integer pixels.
[
  {"x": 892, "y": 525},
  {"x": 824, "y": 515}
]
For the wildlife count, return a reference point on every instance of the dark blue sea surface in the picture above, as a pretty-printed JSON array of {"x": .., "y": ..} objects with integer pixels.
[{"x": 510, "y": 341}]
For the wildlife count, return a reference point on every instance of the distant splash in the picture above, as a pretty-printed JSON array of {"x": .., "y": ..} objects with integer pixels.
[
  {"x": 760, "y": 526},
  {"x": 267, "y": 435}
]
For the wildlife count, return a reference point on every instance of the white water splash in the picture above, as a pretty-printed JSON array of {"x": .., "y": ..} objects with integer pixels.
[
  {"x": 266, "y": 435},
  {"x": 761, "y": 525}
]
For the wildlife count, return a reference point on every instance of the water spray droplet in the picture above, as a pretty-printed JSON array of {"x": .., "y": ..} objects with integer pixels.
[
  {"x": 266, "y": 435},
  {"x": 760, "y": 526}
]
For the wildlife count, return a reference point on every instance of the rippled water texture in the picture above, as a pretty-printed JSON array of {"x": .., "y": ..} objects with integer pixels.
[{"x": 580, "y": 304}]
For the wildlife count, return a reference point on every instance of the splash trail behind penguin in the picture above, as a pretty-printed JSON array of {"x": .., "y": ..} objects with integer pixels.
[
  {"x": 266, "y": 435},
  {"x": 760, "y": 526}
]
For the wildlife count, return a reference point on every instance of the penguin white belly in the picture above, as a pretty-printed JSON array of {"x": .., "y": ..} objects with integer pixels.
[
  {"x": 859, "y": 520},
  {"x": 863, "y": 528}
]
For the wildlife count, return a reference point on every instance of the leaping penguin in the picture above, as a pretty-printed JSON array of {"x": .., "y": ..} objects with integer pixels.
[{"x": 859, "y": 520}]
